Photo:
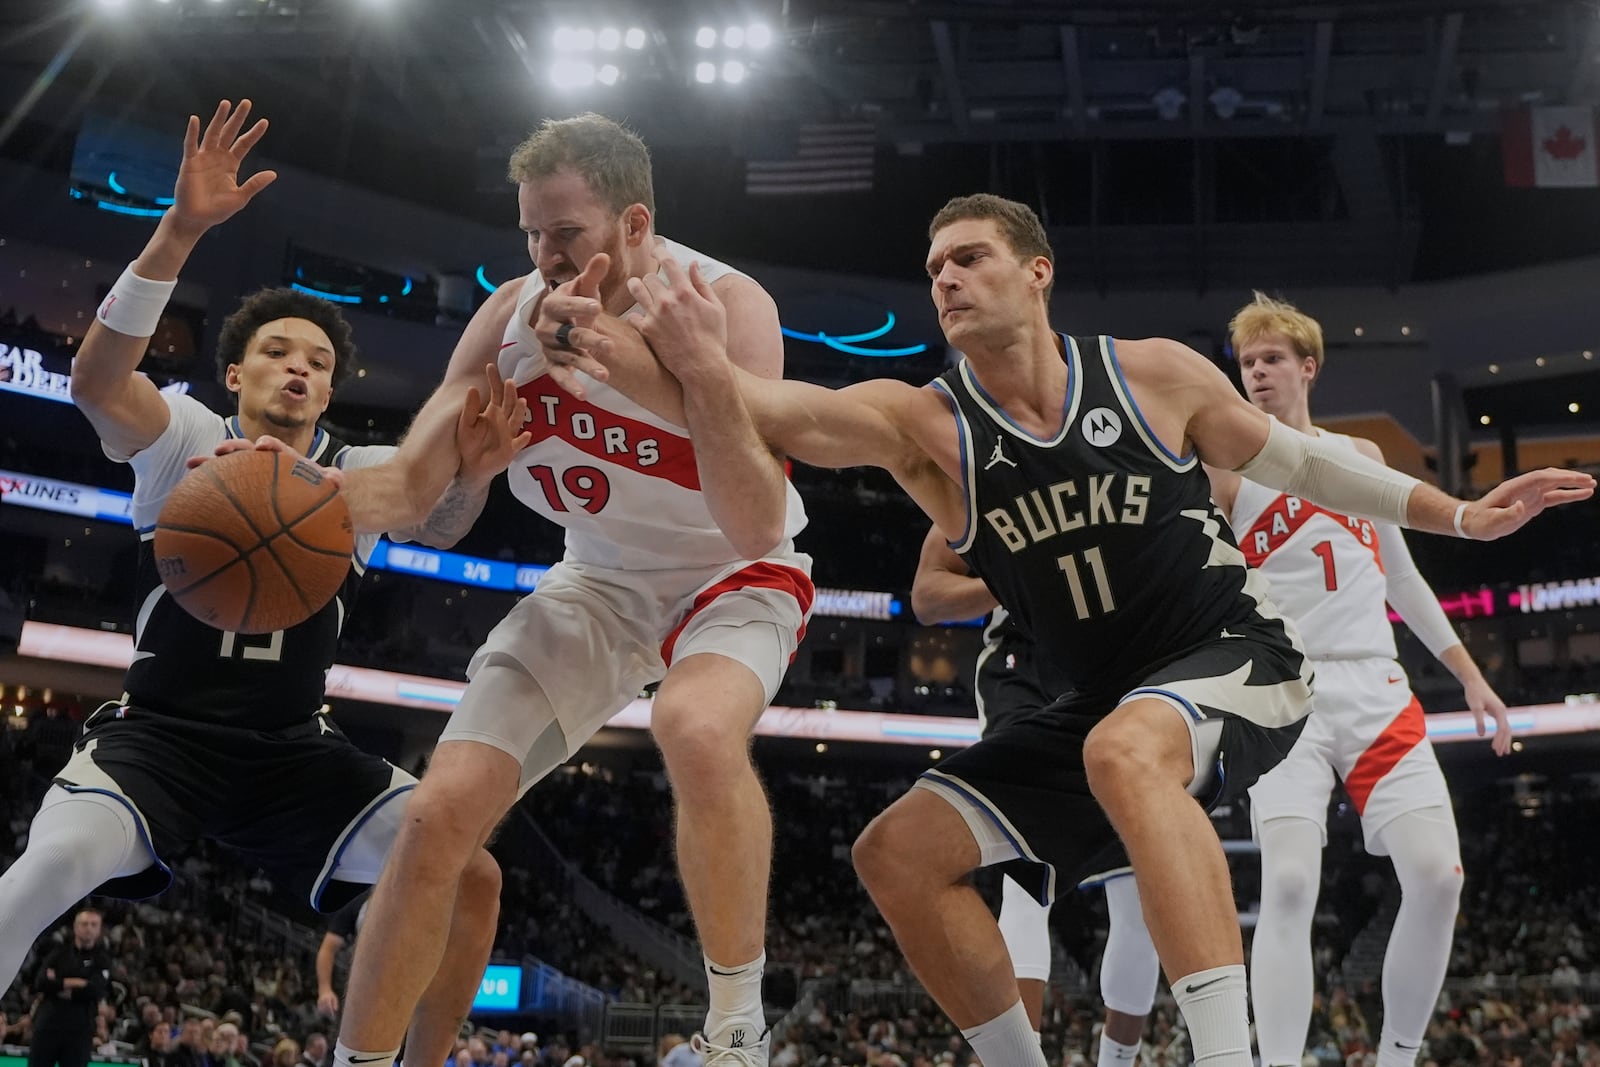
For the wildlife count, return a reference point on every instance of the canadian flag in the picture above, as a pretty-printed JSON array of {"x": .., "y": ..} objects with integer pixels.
[{"x": 1551, "y": 147}]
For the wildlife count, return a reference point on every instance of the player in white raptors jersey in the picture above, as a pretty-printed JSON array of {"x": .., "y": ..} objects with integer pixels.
[
  {"x": 1333, "y": 575},
  {"x": 680, "y": 569}
]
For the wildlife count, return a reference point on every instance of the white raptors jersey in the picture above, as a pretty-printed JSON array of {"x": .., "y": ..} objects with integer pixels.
[
  {"x": 621, "y": 480},
  {"x": 1325, "y": 569}
]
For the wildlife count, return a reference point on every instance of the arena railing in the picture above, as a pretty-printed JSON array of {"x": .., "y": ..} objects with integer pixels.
[{"x": 666, "y": 950}]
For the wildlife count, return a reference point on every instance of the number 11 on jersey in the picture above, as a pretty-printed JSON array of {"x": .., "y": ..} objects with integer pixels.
[{"x": 1102, "y": 587}]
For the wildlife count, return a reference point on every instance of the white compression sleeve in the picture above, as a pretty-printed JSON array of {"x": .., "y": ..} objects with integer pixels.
[
  {"x": 1324, "y": 473},
  {"x": 1408, "y": 591},
  {"x": 76, "y": 842}
]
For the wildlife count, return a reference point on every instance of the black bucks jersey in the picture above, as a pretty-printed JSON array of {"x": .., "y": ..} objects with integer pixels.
[
  {"x": 184, "y": 668},
  {"x": 1104, "y": 547}
]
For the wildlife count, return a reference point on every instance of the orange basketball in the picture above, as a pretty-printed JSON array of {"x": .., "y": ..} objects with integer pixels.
[{"x": 254, "y": 542}]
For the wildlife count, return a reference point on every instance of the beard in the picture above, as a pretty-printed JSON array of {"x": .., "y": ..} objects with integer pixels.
[{"x": 284, "y": 420}]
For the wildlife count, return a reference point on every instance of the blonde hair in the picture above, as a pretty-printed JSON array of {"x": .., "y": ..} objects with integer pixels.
[
  {"x": 607, "y": 155},
  {"x": 1267, "y": 315}
]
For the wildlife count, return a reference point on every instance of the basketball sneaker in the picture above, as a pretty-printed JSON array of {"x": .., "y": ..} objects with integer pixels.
[{"x": 743, "y": 1048}]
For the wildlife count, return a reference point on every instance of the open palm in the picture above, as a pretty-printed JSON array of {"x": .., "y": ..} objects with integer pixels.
[
  {"x": 1513, "y": 503},
  {"x": 208, "y": 190}
]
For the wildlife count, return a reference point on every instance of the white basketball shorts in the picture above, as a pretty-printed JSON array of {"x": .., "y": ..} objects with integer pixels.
[{"x": 1367, "y": 729}]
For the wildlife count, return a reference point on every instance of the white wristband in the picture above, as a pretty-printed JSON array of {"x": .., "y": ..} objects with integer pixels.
[
  {"x": 134, "y": 305},
  {"x": 1461, "y": 509}
]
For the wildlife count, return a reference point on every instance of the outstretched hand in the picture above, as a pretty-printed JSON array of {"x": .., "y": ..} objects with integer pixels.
[
  {"x": 682, "y": 318},
  {"x": 1513, "y": 503},
  {"x": 489, "y": 434},
  {"x": 208, "y": 191},
  {"x": 582, "y": 348},
  {"x": 264, "y": 443}
]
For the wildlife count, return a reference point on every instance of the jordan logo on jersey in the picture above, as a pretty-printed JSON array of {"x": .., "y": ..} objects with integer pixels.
[
  {"x": 999, "y": 455},
  {"x": 1282, "y": 520}
]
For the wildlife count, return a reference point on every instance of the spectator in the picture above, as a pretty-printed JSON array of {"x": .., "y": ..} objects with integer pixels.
[
  {"x": 286, "y": 1053},
  {"x": 72, "y": 982},
  {"x": 316, "y": 1049}
]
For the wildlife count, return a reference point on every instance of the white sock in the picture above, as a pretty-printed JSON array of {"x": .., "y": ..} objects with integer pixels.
[
  {"x": 735, "y": 998},
  {"x": 1007, "y": 1040},
  {"x": 1114, "y": 1053},
  {"x": 1215, "y": 1007},
  {"x": 345, "y": 1056}
]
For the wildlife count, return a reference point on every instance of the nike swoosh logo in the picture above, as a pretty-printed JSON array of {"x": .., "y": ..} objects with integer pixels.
[
  {"x": 722, "y": 974},
  {"x": 372, "y": 1059},
  {"x": 1406, "y": 1048},
  {"x": 1397, "y": 681},
  {"x": 1193, "y": 988},
  {"x": 503, "y": 347}
]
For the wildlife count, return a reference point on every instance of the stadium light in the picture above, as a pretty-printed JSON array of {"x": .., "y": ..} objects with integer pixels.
[
  {"x": 759, "y": 35},
  {"x": 733, "y": 37},
  {"x": 609, "y": 39},
  {"x": 609, "y": 74},
  {"x": 634, "y": 38},
  {"x": 733, "y": 72},
  {"x": 572, "y": 74},
  {"x": 706, "y": 37},
  {"x": 705, "y": 73}
]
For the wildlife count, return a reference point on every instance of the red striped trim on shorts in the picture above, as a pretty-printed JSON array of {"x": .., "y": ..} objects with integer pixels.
[{"x": 761, "y": 575}]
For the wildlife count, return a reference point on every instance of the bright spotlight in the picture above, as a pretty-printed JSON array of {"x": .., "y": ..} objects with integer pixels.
[
  {"x": 705, "y": 73},
  {"x": 733, "y": 72},
  {"x": 609, "y": 74},
  {"x": 583, "y": 40},
  {"x": 112, "y": 5},
  {"x": 609, "y": 39},
  {"x": 571, "y": 74},
  {"x": 759, "y": 35},
  {"x": 634, "y": 38},
  {"x": 705, "y": 37},
  {"x": 733, "y": 37},
  {"x": 563, "y": 39}
]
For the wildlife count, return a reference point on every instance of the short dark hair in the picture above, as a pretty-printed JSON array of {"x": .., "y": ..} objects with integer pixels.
[
  {"x": 608, "y": 155},
  {"x": 1018, "y": 224},
  {"x": 269, "y": 305}
]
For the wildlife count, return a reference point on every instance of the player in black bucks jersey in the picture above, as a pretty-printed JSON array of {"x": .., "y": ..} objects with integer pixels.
[
  {"x": 1067, "y": 473},
  {"x": 218, "y": 734}
]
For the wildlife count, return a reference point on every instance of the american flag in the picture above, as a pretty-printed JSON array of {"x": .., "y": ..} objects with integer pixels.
[{"x": 832, "y": 157}]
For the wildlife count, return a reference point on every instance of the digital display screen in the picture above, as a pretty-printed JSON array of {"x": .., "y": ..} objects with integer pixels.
[{"x": 500, "y": 990}]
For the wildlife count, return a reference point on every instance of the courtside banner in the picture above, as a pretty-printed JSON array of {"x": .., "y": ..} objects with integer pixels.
[{"x": 70, "y": 644}]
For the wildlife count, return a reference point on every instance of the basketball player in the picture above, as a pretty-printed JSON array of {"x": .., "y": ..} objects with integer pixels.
[
  {"x": 1006, "y": 687},
  {"x": 680, "y": 568},
  {"x": 1067, "y": 472},
  {"x": 218, "y": 734},
  {"x": 1333, "y": 575}
]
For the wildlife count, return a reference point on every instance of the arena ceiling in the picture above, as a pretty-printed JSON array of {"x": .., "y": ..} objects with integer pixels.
[{"x": 1166, "y": 143}]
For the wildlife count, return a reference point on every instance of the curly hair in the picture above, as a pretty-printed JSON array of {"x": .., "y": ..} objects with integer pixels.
[{"x": 269, "y": 305}]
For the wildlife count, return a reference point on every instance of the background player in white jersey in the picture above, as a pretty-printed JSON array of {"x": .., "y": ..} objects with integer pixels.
[
  {"x": 1333, "y": 574},
  {"x": 1183, "y": 616},
  {"x": 680, "y": 568},
  {"x": 218, "y": 735},
  {"x": 1006, "y": 687}
]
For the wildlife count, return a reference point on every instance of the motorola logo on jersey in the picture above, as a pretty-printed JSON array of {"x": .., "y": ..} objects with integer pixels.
[
  {"x": 1102, "y": 427},
  {"x": 1040, "y": 514}
]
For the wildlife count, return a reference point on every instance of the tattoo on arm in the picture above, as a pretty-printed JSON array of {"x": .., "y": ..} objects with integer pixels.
[{"x": 453, "y": 515}]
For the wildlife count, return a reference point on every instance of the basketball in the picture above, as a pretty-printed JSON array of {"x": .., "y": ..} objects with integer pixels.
[{"x": 254, "y": 541}]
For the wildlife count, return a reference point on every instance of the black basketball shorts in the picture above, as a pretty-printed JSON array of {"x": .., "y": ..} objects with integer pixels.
[
  {"x": 1025, "y": 783},
  {"x": 288, "y": 800}
]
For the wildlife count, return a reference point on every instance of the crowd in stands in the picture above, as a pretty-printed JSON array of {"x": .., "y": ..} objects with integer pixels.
[{"x": 190, "y": 992}]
